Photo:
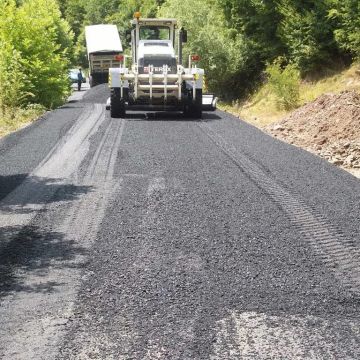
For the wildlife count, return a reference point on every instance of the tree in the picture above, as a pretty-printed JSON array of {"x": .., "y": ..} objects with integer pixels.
[
  {"x": 347, "y": 33},
  {"x": 74, "y": 12},
  {"x": 126, "y": 10},
  {"x": 307, "y": 34},
  {"x": 97, "y": 11},
  {"x": 36, "y": 45}
]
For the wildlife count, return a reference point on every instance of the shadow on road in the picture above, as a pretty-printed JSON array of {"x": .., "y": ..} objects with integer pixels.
[
  {"x": 169, "y": 116},
  {"x": 9, "y": 183},
  {"x": 36, "y": 191},
  {"x": 33, "y": 250},
  {"x": 71, "y": 106}
]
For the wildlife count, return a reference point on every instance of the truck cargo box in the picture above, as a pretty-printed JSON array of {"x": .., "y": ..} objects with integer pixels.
[
  {"x": 102, "y": 38},
  {"x": 103, "y": 47}
]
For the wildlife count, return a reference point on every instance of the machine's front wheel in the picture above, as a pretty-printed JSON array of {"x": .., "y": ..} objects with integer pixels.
[{"x": 117, "y": 104}]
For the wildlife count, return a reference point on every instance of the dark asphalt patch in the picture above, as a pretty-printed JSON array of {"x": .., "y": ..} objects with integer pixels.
[
  {"x": 192, "y": 255},
  {"x": 22, "y": 151},
  {"x": 188, "y": 239}
]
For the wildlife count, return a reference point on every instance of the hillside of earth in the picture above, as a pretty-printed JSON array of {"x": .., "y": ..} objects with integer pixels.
[
  {"x": 325, "y": 119},
  {"x": 328, "y": 127}
]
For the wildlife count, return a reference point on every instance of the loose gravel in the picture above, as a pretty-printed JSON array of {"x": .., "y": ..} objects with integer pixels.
[{"x": 177, "y": 239}]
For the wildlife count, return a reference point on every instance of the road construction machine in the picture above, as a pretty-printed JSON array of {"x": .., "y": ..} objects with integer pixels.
[{"x": 157, "y": 79}]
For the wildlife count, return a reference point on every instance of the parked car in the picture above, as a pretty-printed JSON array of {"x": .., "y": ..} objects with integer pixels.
[{"x": 73, "y": 76}]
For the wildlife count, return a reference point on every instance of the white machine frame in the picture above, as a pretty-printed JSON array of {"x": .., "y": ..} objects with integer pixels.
[{"x": 158, "y": 86}]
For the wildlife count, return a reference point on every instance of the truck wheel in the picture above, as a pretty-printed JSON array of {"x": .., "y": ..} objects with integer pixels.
[
  {"x": 117, "y": 105},
  {"x": 194, "y": 109},
  {"x": 91, "y": 81}
]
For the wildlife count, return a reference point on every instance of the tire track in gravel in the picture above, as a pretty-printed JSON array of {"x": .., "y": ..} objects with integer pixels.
[
  {"x": 253, "y": 335},
  {"x": 171, "y": 335},
  {"x": 258, "y": 335},
  {"x": 106, "y": 153},
  {"x": 57, "y": 167},
  {"x": 337, "y": 252},
  {"x": 149, "y": 293},
  {"x": 115, "y": 298},
  {"x": 33, "y": 321}
]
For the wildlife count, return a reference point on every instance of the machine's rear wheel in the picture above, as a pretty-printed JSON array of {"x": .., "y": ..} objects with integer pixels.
[
  {"x": 194, "y": 107},
  {"x": 117, "y": 104}
]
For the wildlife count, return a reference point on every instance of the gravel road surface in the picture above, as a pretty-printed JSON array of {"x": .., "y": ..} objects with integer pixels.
[{"x": 159, "y": 237}]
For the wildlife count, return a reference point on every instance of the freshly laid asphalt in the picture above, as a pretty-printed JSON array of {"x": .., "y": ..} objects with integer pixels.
[{"x": 161, "y": 237}]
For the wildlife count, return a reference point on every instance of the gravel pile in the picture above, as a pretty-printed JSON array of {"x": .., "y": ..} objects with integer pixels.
[
  {"x": 328, "y": 126},
  {"x": 97, "y": 95}
]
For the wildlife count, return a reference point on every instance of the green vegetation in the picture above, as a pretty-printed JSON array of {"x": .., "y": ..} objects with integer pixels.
[
  {"x": 284, "y": 83},
  {"x": 209, "y": 38},
  {"x": 35, "y": 48},
  {"x": 239, "y": 42},
  {"x": 262, "y": 107},
  {"x": 237, "y": 39}
]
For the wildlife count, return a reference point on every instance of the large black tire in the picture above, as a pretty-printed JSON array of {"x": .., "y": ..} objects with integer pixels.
[
  {"x": 98, "y": 78},
  {"x": 92, "y": 81},
  {"x": 117, "y": 104},
  {"x": 193, "y": 109}
]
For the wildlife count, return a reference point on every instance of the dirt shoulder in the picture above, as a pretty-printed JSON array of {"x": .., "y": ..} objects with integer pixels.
[
  {"x": 12, "y": 120},
  {"x": 328, "y": 127},
  {"x": 327, "y": 123}
]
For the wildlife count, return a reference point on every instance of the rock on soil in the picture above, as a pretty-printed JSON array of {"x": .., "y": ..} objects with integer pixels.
[{"x": 328, "y": 126}]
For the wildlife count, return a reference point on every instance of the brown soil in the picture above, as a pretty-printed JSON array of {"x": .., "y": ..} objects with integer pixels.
[{"x": 328, "y": 126}]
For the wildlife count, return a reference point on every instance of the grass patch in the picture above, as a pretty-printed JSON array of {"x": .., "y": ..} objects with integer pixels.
[
  {"x": 12, "y": 119},
  {"x": 262, "y": 108}
]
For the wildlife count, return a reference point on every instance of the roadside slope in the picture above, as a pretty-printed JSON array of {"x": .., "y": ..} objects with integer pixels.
[
  {"x": 22, "y": 150},
  {"x": 328, "y": 127},
  {"x": 326, "y": 123}
]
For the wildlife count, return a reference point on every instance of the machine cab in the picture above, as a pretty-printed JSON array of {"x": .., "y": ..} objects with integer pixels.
[{"x": 153, "y": 44}]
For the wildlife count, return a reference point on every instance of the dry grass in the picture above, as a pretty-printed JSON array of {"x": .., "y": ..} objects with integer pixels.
[
  {"x": 261, "y": 110},
  {"x": 12, "y": 119}
]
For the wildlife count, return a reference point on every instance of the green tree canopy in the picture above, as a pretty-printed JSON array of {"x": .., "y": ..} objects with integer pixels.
[{"x": 35, "y": 44}]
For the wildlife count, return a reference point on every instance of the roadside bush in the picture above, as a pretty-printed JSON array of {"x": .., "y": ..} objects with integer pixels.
[
  {"x": 284, "y": 84},
  {"x": 307, "y": 34},
  {"x": 12, "y": 79},
  {"x": 11, "y": 75},
  {"x": 14, "y": 118},
  {"x": 347, "y": 34},
  {"x": 35, "y": 47}
]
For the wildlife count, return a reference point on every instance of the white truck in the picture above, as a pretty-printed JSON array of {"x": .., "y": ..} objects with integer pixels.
[
  {"x": 104, "y": 51},
  {"x": 157, "y": 79}
]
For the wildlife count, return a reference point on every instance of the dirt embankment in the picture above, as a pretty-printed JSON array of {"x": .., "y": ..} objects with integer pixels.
[{"x": 328, "y": 126}]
